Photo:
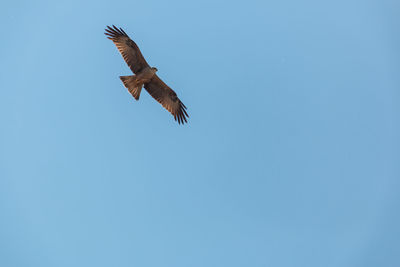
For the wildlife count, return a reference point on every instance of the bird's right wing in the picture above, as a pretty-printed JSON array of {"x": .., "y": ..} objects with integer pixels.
[
  {"x": 128, "y": 49},
  {"x": 167, "y": 98}
]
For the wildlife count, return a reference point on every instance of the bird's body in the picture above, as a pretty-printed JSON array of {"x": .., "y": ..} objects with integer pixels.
[
  {"x": 145, "y": 75},
  {"x": 134, "y": 83}
]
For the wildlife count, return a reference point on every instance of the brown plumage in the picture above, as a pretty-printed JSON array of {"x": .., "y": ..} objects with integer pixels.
[{"x": 145, "y": 75}]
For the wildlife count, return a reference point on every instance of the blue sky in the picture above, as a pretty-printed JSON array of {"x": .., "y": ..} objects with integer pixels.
[{"x": 290, "y": 157}]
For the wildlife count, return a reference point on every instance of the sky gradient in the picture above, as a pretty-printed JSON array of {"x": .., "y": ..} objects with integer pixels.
[{"x": 290, "y": 157}]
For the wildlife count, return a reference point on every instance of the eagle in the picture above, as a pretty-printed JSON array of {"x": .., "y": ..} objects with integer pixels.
[{"x": 145, "y": 76}]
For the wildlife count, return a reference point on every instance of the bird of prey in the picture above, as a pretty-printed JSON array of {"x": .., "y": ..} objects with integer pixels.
[{"x": 145, "y": 75}]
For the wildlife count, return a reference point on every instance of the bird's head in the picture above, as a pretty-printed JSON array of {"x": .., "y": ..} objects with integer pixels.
[{"x": 154, "y": 69}]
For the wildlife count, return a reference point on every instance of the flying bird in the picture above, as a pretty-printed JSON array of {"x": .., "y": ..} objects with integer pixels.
[{"x": 145, "y": 76}]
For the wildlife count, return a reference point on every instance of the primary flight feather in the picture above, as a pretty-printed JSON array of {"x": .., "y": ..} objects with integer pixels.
[{"x": 145, "y": 76}]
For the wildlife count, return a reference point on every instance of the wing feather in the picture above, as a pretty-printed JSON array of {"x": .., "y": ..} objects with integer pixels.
[
  {"x": 167, "y": 98},
  {"x": 128, "y": 48}
]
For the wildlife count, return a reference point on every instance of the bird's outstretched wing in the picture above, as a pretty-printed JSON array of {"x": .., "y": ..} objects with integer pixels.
[
  {"x": 128, "y": 48},
  {"x": 167, "y": 98}
]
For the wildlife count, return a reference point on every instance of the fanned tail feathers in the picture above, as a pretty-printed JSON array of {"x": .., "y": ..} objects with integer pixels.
[{"x": 133, "y": 86}]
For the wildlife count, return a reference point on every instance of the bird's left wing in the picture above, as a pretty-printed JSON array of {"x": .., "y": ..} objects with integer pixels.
[
  {"x": 167, "y": 98},
  {"x": 128, "y": 49}
]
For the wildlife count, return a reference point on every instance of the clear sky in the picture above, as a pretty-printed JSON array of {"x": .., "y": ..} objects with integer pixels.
[{"x": 290, "y": 157}]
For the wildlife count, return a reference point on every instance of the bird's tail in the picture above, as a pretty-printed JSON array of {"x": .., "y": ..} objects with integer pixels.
[{"x": 133, "y": 85}]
